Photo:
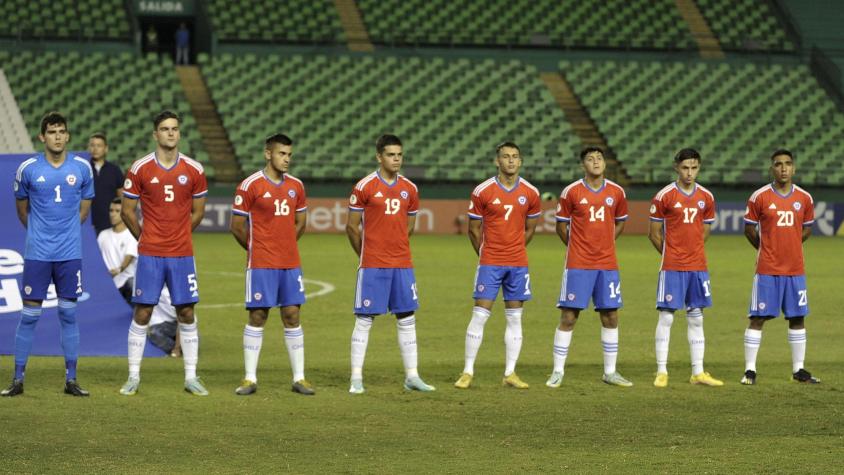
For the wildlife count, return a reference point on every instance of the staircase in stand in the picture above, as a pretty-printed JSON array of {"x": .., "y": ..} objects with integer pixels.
[{"x": 357, "y": 37}]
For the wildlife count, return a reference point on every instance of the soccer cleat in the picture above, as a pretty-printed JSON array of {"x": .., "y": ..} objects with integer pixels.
[
  {"x": 803, "y": 376},
  {"x": 705, "y": 379},
  {"x": 130, "y": 387},
  {"x": 416, "y": 384},
  {"x": 661, "y": 380},
  {"x": 246, "y": 388},
  {"x": 749, "y": 378},
  {"x": 555, "y": 380},
  {"x": 72, "y": 387},
  {"x": 14, "y": 389},
  {"x": 616, "y": 379},
  {"x": 195, "y": 387},
  {"x": 303, "y": 387},
  {"x": 464, "y": 381},
  {"x": 514, "y": 381},
  {"x": 356, "y": 386}
]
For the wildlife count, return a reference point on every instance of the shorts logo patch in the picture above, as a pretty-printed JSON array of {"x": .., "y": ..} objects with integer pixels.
[
  {"x": 571, "y": 296},
  {"x": 559, "y": 207},
  {"x": 16, "y": 186},
  {"x": 27, "y": 290},
  {"x": 762, "y": 305},
  {"x": 258, "y": 295},
  {"x": 797, "y": 206},
  {"x": 522, "y": 200},
  {"x": 481, "y": 287},
  {"x": 701, "y": 204},
  {"x": 669, "y": 298},
  {"x": 71, "y": 180},
  {"x": 653, "y": 209},
  {"x": 353, "y": 199},
  {"x": 366, "y": 303},
  {"x": 291, "y": 193},
  {"x": 138, "y": 292},
  {"x": 609, "y": 201},
  {"x": 238, "y": 200},
  {"x": 471, "y": 205},
  {"x": 183, "y": 179},
  {"x": 404, "y": 195},
  {"x": 127, "y": 184}
]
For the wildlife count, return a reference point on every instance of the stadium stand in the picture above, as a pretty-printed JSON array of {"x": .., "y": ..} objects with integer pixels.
[
  {"x": 13, "y": 135},
  {"x": 653, "y": 24},
  {"x": 64, "y": 19},
  {"x": 735, "y": 114},
  {"x": 745, "y": 25},
  {"x": 449, "y": 113},
  {"x": 114, "y": 93},
  {"x": 292, "y": 21}
]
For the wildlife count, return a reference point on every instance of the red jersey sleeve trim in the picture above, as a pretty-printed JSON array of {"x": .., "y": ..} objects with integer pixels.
[
  {"x": 239, "y": 212},
  {"x": 131, "y": 195}
]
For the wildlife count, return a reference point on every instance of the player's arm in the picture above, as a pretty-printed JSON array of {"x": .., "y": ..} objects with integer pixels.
[
  {"x": 474, "y": 233},
  {"x": 22, "y": 206},
  {"x": 301, "y": 223},
  {"x": 563, "y": 231},
  {"x": 127, "y": 261},
  {"x": 707, "y": 230},
  {"x": 129, "y": 213},
  {"x": 353, "y": 230},
  {"x": 239, "y": 230},
  {"x": 530, "y": 229},
  {"x": 84, "y": 210},
  {"x": 807, "y": 231},
  {"x": 619, "y": 228},
  {"x": 655, "y": 235},
  {"x": 411, "y": 224},
  {"x": 197, "y": 211},
  {"x": 752, "y": 234}
]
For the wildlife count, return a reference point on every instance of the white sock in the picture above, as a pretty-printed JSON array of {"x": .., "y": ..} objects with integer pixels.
[
  {"x": 797, "y": 341},
  {"x": 562, "y": 340},
  {"x": 512, "y": 339},
  {"x": 136, "y": 344},
  {"x": 253, "y": 337},
  {"x": 360, "y": 338},
  {"x": 189, "y": 336},
  {"x": 662, "y": 338},
  {"x": 752, "y": 341},
  {"x": 406, "y": 332},
  {"x": 609, "y": 340},
  {"x": 697, "y": 342},
  {"x": 474, "y": 337},
  {"x": 294, "y": 338}
]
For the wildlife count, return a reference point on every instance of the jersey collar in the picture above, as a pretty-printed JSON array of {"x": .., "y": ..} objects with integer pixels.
[
  {"x": 774, "y": 189},
  {"x": 178, "y": 159},
  {"x": 271, "y": 181},
  {"x": 689, "y": 194},
  {"x": 586, "y": 185},
  {"x": 501, "y": 185},
  {"x": 378, "y": 173}
]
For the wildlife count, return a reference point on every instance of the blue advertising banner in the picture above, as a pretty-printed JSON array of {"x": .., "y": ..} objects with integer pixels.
[{"x": 102, "y": 313}]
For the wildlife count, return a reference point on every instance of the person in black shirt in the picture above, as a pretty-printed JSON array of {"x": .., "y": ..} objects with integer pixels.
[{"x": 108, "y": 181}]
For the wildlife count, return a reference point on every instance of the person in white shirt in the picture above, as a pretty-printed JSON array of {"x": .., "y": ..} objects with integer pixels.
[{"x": 120, "y": 251}]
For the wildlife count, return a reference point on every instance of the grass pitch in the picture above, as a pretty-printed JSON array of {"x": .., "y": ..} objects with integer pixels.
[{"x": 585, "y": 426}]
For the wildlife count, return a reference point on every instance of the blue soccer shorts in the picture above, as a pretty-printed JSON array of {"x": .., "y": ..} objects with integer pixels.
[
  {"x": 153, "y": 273},
  {"x": 677, "y": 290},
  {"x": 603, "y": 286},
  {"x": 514, "y": 280},
  {"x": 66, "y": 275},
  {"x": 267, "y": 288},
  {"x": 379, "y": 290},
  {"x": 772, "y": 293}
]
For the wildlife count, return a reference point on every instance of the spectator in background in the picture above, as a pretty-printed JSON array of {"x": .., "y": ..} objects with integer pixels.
[
  {"x": 108, "y": 182},
  {"x": 183, "y": 44}
]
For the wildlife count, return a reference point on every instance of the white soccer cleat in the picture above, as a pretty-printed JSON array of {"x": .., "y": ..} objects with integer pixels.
[{"x": 356, "y": 386}]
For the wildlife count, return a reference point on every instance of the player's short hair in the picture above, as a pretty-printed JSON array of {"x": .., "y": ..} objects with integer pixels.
[
  {"x": 280, "y": 139},
  {"x": 782, "y": 151},
  {"x": 164, "y": 115},
  {"x": 687, "y": 154},
  {"x": 384, "y": 141},
  {"x": 508, "y": 145},
  {"x": 99, "y": 135},
  {"x": 52, "y": 118},
  {"x": 117, "y": 201},
  {"x": 587, "y": 150}
]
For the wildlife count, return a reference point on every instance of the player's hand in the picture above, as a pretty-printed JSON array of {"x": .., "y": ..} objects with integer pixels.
[{"x": 114, "y": 271}]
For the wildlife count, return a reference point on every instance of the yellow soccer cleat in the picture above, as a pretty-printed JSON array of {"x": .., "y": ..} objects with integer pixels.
[
  {"x": 514, "y": 382},
  {"x": 705, "y": 379},
  {"x": 464, "y": 381},
  {"x": 661, "y": 380},
  {"x": 246, "y": 388}
]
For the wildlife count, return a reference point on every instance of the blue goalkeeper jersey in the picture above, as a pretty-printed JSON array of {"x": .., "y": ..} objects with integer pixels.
[{"x": 54, "y": 232}]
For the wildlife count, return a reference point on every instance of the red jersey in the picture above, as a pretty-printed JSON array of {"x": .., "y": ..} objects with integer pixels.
[
  {"x": 504, "y": 213},
  {"x": 592, "y": 215},
  {"x": 166, "y": 196},
  {"x": 385, "y": 209},
  {"x": 683, "y": 217},
  {"x": 780, "y": 221},
  {"x": 271, "y": 209}
]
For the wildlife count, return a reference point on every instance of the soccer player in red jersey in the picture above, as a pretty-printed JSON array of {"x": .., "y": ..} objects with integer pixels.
[
  {"x": 268, "y": 217},
  {"x": 590, "y": 216},
  {"x": 503, "y": 212},
  {"x": 778, "y": 220},
  {"x": 681, "y": 215},
  {"x": 384, "y": 204},
  {"x": 172, "y": 189}
]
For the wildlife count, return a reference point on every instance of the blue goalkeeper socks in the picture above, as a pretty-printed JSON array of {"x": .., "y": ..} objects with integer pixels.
[
  {"x": 24, "y": 336},
  {"x": 70, "y": 336}
]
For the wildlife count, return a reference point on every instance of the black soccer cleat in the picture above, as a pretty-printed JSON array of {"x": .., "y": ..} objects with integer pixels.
[
  {"x": 14, "y": 389},
  {"x": 749, "y": 378},
  {"x": 72, "y": 387},
  {"x": 803, "y": 376}
]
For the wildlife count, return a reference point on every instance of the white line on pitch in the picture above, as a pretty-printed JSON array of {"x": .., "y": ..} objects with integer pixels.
[{"x": 325, "y": 288}]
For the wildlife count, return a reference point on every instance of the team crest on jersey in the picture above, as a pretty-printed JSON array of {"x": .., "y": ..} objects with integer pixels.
[
  {"x": 609, "y": 201},
  {"x": 522, "y": 200},
  {"x": 701, "y": 204},
  {"x": 291, "y": 193},
  {"x": 127, "y": 183},
  {"x": 183, "y": 179},
  {"x": 796, "y": 206},
  {"x": 353, "y": 199},
  {"x": 571, "y": 296},
  {"x": 403, "y": 195},
  {"x": 27, "y": 290},
  {"x": 366, "y": 303},
  {"x": 238, "y": 200},
  {"x": 669, "y": 298},
  {"x": 258, "y": 295},
  {"x": 16, "y": 186},
  {"x": 71, "y": 179}
]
